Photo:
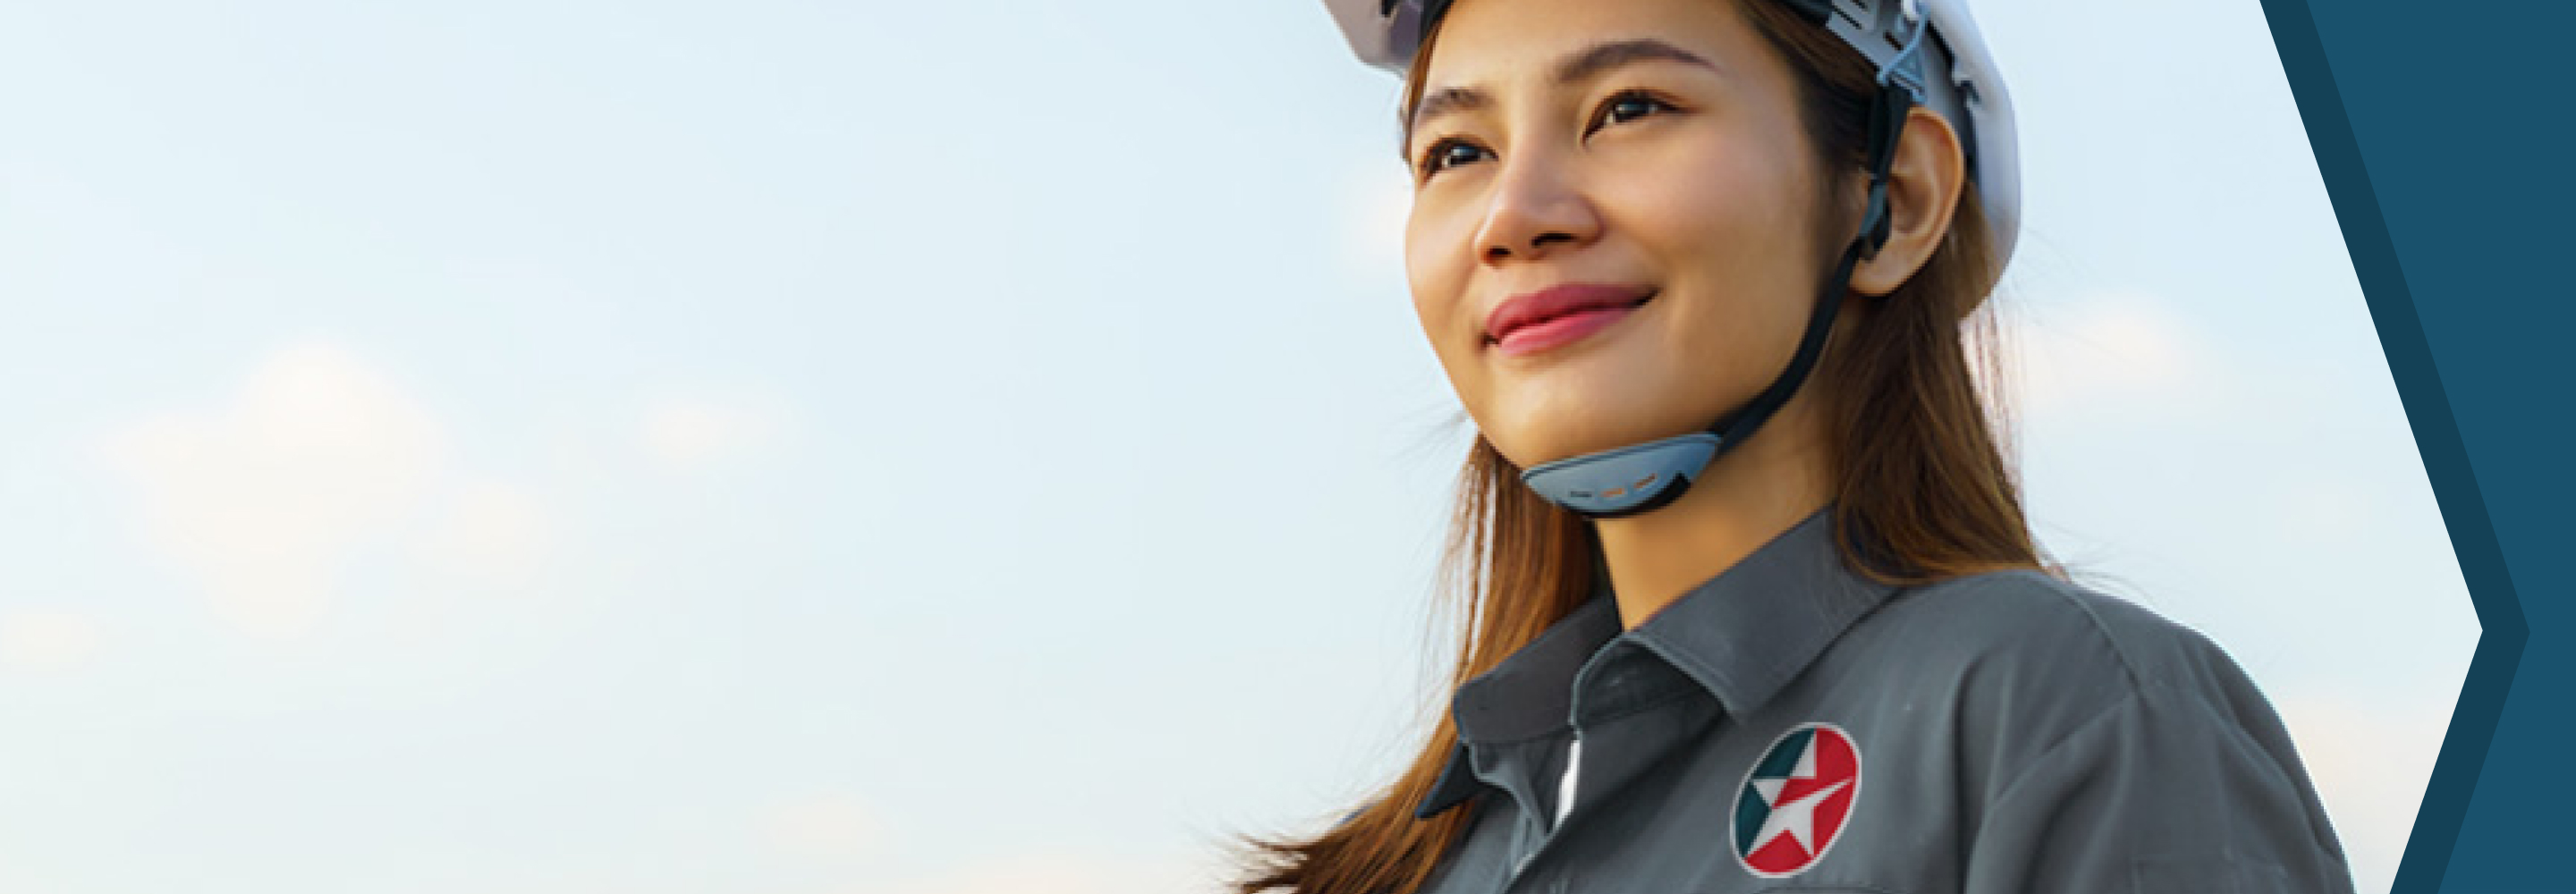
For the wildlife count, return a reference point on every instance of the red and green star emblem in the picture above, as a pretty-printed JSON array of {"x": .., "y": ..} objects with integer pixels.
[{"x": 1796, "y": 799}]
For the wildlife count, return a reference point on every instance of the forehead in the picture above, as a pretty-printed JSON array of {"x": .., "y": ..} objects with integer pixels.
[{"x": 1493, "y": 42}]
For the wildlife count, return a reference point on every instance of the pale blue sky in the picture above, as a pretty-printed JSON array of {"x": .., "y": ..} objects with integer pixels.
[{"x": 949, "y": 448}]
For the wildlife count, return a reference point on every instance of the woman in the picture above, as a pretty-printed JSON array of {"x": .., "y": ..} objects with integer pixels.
[{"x": 1752, "y": 601}]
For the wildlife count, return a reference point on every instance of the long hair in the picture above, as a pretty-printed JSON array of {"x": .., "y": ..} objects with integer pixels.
[{"x": 1922, "y": 488}]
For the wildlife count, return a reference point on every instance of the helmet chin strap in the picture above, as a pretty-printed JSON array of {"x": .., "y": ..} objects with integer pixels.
[{"x": 1640, "y": 478}]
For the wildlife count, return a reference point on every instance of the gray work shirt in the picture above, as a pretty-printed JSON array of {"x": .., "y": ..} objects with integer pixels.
[{"x": 1793, "y": 726}]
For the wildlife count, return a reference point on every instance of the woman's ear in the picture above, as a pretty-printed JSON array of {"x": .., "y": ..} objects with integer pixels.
[{"x": 1922, "y": 192}]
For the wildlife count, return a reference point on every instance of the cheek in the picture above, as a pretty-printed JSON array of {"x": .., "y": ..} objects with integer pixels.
[
  {"x": 1733, "y": 206},
  {"x": 1728, "y": 241},
  {"x": 1437, "y": 268},
  {"x": 1440, "y": 270},
  {"x": 1732, "y": 234}
]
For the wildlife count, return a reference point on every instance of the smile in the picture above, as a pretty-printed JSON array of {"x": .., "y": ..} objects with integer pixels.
[{"x": 1559, "y": 316}]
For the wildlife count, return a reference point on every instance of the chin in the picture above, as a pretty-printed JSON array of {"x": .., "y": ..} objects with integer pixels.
[
  {"x": 1578, "y": 405},
  {"x": 1540, "y": 442}
]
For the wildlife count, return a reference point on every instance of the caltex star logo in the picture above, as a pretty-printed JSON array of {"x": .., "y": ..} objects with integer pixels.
[{"x": 1795, "y": 800}]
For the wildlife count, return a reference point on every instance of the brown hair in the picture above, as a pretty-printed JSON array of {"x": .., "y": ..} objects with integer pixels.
[{"x": 1922, "y": 488}]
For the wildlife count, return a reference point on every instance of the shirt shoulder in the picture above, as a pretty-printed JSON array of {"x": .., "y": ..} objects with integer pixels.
[
  {"x": 2091, "y": 738},
  {"x": 2101, "y": 745},
  {"x": 2028, "y": 628},
  {"x": 2008, "y": 664}
]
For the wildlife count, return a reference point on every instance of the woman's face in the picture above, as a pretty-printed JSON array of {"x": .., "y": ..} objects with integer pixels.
[{"x": 1612, "y": 237}]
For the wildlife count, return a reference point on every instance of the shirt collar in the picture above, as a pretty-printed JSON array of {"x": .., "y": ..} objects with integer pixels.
[
  {"x": 1742, "y": 636},
  {"x": 1745, "y": 634}
]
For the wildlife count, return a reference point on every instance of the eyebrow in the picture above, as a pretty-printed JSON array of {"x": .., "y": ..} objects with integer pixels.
[
  {"x": 1589, "y": 63},
  {"x": 1603, "y": 57}
]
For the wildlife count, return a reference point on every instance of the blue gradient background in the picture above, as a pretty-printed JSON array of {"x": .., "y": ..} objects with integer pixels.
[{"x": 2418, "y": 121}]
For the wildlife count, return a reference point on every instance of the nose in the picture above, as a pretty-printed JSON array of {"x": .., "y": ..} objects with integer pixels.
[{"x": 1536, "y": 210}]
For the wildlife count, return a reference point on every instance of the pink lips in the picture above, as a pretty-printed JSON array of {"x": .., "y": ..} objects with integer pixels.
[{"x": 1559, "y": 316}]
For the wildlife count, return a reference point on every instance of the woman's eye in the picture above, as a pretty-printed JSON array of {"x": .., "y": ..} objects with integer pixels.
[
  {"x": 1450, "y": 153},
  {"x": 1627, "y": 107}
]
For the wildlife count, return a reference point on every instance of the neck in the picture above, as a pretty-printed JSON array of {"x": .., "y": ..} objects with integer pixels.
[{"x": 1749, "y": 496}]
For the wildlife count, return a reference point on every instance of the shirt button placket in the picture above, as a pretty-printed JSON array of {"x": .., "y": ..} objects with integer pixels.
[{"x": 1520, "y": 868}]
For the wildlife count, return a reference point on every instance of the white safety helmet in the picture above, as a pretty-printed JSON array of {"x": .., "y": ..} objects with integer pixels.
[{"x": 1385, "y": 33}]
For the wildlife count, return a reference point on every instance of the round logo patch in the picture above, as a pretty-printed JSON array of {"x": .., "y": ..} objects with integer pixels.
[{"x": 1795, "y": 800}]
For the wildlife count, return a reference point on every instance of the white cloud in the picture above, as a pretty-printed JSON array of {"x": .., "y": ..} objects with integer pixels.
[
  {"x": 1376, "y": 202},
  {"x": 695, "y": 431},
  {"x": 47, "y": 639},
  {"x": 2370, "y": 759},
  {"x": 824, "y": 826},
  {"x": 489, "y": 532},
  {"x": 268, "y": 495},
  {"x": 2111, "y": 347},
  {"x": 1054, "y": 872},
  {"x": 264, "y": 496}
]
